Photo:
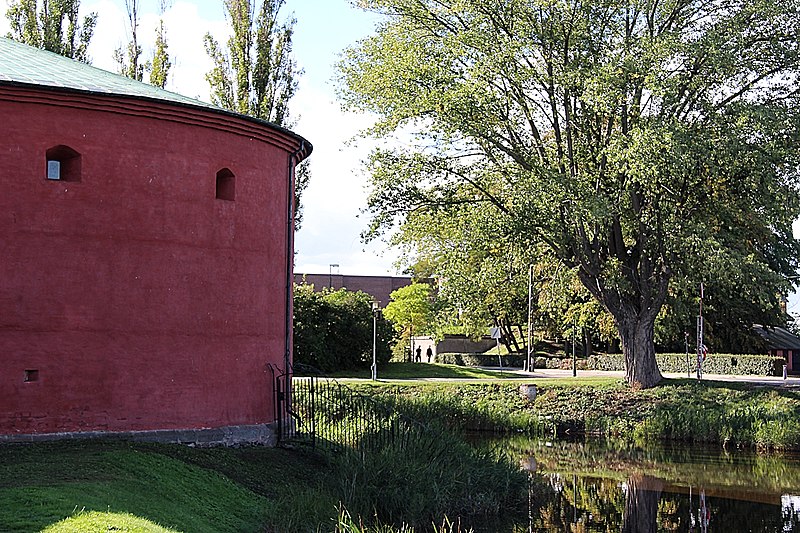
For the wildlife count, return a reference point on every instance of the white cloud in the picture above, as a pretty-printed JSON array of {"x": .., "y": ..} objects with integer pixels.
[{"x": 336, "y": 194}]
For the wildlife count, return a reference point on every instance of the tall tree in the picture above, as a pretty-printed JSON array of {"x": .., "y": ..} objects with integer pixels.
[
  {"x": 52, "y": 25},
  {"x": 161, "y": 64},
  {"x": 631, "y": 137},
  {"x": 257, "y": 74},
  {"x": 410, "y": 312},
  {"x": 130, "y": 59}
]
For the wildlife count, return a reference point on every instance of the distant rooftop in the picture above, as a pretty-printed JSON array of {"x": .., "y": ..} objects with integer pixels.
[
  {"x": 778, "y": 338},
  {"x": 25, "y": 65}
]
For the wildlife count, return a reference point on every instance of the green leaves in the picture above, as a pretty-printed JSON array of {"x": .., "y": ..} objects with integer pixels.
[
  {"x": 256, "y": 75},
  {"x": 53, "y": 26},
  {"x": 625, "y": 137},
  {"x": 333, "y": 329}
]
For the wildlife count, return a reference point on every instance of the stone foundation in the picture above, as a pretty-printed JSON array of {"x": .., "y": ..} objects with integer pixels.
[{"x": 259, "y": 434}]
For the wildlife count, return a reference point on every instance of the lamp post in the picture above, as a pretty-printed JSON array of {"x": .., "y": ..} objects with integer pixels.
[
  {"x": 375, "y": 311},
  {"x": 330, "y": 274},
  {"x": 529, "y": 362}
]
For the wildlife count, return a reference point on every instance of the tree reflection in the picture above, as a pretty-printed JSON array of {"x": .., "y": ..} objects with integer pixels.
[
  {"x": 642, "y": 496},
  {"x": 582, "y": 486}
]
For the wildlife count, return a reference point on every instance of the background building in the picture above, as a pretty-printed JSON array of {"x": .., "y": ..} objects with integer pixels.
[{"x": 379, "y": 287}]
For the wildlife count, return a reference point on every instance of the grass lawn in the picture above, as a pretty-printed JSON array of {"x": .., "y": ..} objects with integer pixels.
[
  {"x": 97, "y": 485},
  {"x": 422, "y": 372},
  {"x": 412, "y": 371}
]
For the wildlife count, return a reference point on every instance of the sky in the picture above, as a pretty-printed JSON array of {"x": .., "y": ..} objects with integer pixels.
[{"x": 336, "y": 195}]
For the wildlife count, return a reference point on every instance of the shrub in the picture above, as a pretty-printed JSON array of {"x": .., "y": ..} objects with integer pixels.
[
  {"x": 736, "y": 364},
  {"x": 512, "y": 360},
  {"x": 479, "y": 359},
  {"x": 333, "y": 329}
]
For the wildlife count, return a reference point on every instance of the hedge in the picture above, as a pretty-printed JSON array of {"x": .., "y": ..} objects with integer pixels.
[
  {"x": 735, "y": 364},
  {"x": 722, "y": 363},
  {"x": 478, "y": 359},
  {"x": 514, "y": 360}
]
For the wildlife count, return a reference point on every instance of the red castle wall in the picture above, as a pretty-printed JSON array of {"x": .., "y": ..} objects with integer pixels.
[{"x": 135, "y": 299}]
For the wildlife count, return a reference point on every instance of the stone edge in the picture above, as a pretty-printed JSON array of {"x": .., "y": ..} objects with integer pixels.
[{"x": 259, "y": 434}]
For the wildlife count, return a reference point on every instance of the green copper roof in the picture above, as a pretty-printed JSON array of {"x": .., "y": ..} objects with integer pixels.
[{"x": 23, "y": 64}]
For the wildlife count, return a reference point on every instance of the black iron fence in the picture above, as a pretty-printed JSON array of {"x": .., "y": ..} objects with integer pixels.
[{"x": 325, "y": 413}]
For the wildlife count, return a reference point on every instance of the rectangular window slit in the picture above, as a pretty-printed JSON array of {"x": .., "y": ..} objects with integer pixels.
[{"x": 31, "y": 375}]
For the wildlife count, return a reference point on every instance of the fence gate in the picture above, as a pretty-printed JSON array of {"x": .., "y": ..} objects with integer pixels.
[{"x": 323, "y": 413}]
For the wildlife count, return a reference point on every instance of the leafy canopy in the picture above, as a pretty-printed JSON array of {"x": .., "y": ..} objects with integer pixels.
[
  {"x": 52, "y": 25},
  {"x": 333, "y": 330},
  {"x": 639, "y": 141}
]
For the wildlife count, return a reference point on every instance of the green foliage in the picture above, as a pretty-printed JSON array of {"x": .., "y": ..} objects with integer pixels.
[
  {"x": 640, "y": 143},
  {"x": 130, "y": 61},
  {"x": 160, "y": 65},
  {"x": 53, "y": 26},
  {"x": 412, "y": 371},
  {"x": 257, "y": 74},
  {"x": 717, "y": 363},
  {"x": 410, "y": 313},
  {"x": 448, "y": 476},
  {"x": 333, "y": 329},
  {"x": 687, "y": 410},
  {"x": 480, "y": 359},
  {"x": 761, "y": 418}
]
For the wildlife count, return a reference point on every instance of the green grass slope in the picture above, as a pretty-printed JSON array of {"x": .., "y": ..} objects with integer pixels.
[{"x": 180, "y": 488}]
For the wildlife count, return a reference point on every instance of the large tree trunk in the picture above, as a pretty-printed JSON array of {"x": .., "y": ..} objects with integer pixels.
[{"x": 638, "y": 347}]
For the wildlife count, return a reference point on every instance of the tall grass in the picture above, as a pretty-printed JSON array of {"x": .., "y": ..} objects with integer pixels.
[
  {"x": 686, "y": 410},
  {"x": 760, "y": 418},
  {"x": 434, "y": 475},
  {"x": 426, "y": 471}
]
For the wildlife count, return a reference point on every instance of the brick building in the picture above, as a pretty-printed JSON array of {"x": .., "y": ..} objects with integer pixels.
[
  {"x": 147, "y": 248},
  {"x": 379, "y": 287}
]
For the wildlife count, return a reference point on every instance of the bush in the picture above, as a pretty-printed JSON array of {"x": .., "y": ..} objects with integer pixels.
[
  {"x": 479, "y": 359},
  {"x": 333, "y": 329},
  {"x": 512, "y": 360},
  {"x": 736, "y": 364}
]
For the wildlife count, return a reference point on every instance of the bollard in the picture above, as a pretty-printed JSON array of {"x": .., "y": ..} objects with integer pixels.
[{"x": 784, "y": 371}]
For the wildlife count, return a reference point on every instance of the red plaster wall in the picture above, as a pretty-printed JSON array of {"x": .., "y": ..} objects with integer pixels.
[{"x": 142, "y": 300}]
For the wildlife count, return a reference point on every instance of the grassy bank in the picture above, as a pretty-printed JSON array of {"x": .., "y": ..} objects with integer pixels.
[
  {"x": 417, "y": 371},
  {"x": 176, "y": 487},
  {"x": 97, "y": 485},
  {"x": 109, "y": 485},
  {"x": 680, "y": 409}
]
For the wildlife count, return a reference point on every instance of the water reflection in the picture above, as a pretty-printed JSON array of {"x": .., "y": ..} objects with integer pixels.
[{"x": 597, "y": 486}]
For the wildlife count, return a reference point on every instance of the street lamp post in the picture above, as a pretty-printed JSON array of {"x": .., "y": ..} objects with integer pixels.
[
  {"x": 375, "y": 311},
  {"x": 529, "y": 362},
  {"x": 330, "y": 274}
]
